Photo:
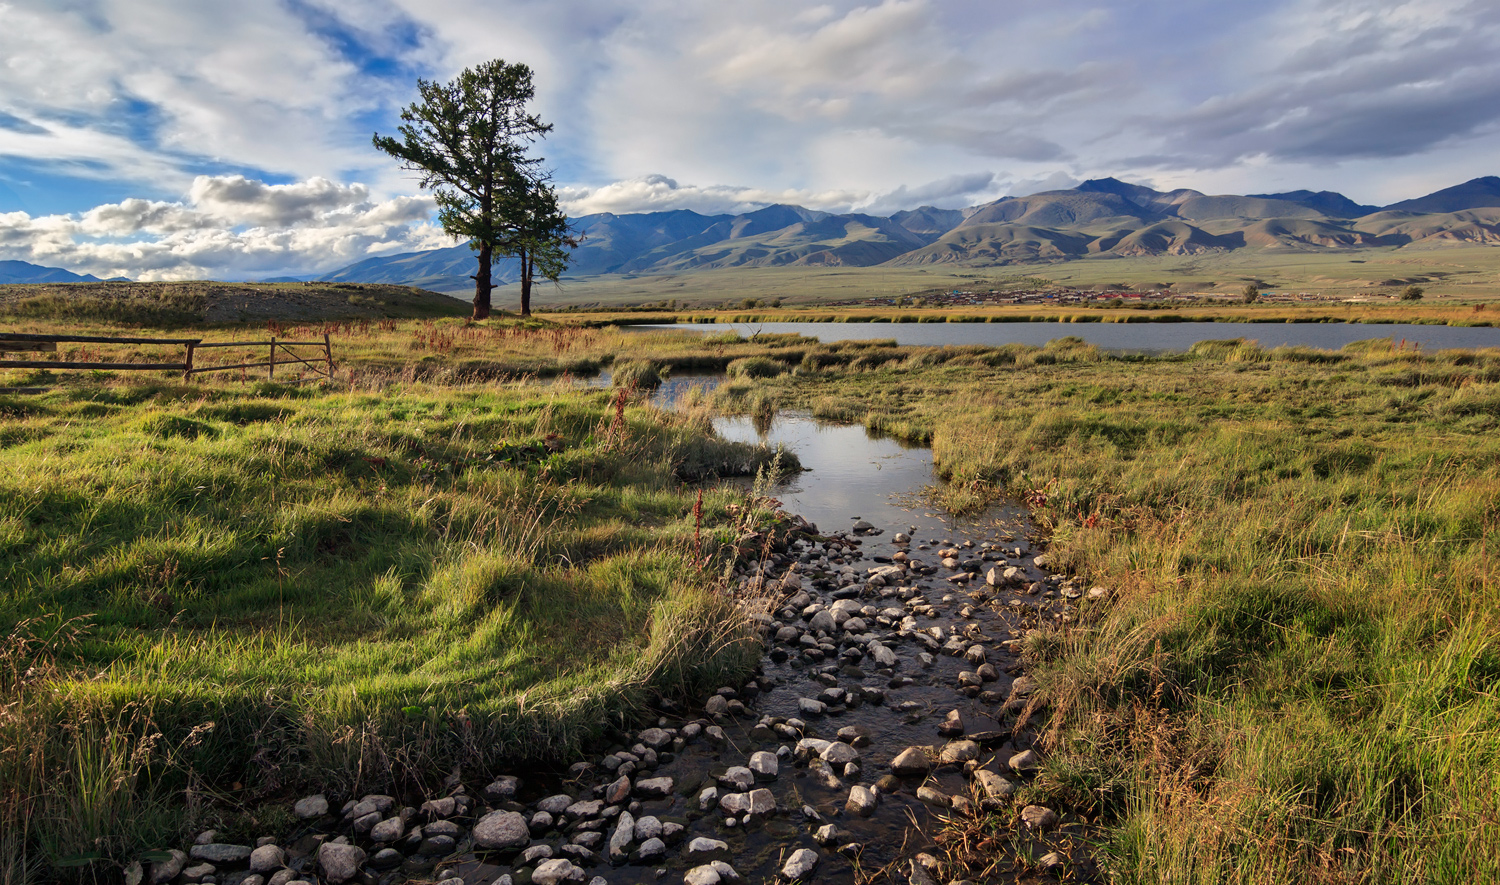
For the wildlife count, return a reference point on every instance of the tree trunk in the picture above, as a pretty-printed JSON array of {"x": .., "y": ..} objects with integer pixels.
[
  {"x": 482, "y": 285},
  {"x": 525, "y": 283}
]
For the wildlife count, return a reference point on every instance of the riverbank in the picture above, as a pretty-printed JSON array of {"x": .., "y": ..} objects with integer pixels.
[
  {"x": 223, "y": 590},
  {"x": 1296, "y": 679}
]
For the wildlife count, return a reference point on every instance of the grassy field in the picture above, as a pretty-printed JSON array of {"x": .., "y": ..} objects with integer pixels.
[
  {"x": 1295, "y": 678},
  {"x": 1459, "y": 273},
  {"x": 217, "y": 593}
]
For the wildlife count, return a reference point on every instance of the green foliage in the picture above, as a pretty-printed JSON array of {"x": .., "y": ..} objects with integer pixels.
[
  {"x": 1412, "y": 293},
  {"x": 468, "y": 139},
  {"x": 1250, "y": 294},
  {"x": 756, "y": 367}
]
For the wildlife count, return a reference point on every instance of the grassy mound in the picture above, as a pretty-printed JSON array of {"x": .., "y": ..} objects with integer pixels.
[{"x": 238, "y": 590}]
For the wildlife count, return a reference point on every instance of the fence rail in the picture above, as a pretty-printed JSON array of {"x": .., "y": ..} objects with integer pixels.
[{"x": 320, "y": 361}]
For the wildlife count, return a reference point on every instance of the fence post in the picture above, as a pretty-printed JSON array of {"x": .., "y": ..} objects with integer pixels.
[
  {"x": 328, "y": 352},
  {"x": 187, "y": 364},
  {"x": 271, "y": 366}
]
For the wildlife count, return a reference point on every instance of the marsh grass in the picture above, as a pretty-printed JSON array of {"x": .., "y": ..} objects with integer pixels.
[
  {"x": 217, "y": 593},
  {"x": 1297, "y": 675}
]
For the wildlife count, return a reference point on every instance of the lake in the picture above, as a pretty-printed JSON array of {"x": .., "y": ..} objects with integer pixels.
[{"x": 1123, "y": 337}]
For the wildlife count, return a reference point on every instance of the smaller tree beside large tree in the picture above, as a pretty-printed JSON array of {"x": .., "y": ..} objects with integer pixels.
[{"x": 469, "y": 139}]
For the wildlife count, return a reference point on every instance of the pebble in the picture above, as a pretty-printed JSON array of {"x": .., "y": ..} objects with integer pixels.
[
  {"x": 911, "y": 762},
  {"x": 339, "y": 863},
  {"x": 1038, "y": 817},
  {"x": 502, "y": 831},
  {"x": 801, "y": 864},
  {"x": 862, "y": 801}
]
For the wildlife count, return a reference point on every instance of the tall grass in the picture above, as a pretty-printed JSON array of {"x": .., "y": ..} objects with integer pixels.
[
  {"x": 250, "y": 589},
  {"x": 1296, "y": 677}
]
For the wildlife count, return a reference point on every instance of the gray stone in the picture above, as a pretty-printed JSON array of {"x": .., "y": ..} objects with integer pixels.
[
  {"x": 503, "y": 788},
  {"x": 285, "y": 877},
  {"x": 704, "y": 875},
  {"x": 810, "y": 707},
  {"x": 533, "y": 854},
  {"x": 654, "y": 788},
  {"x": 620, "y": 839},
  {"x": 862, "y": 801},
  {"x": 618, "y": 791},
  {"x": 738, "y": 778},
  {"x": 169, "y": 869},
  {"x": 198, "y": 872},
  {"x": 584, "y": 810},
  {"x": 764, "y": 765},
  {"x": 1038, "y": 817},
  {"x": 761, "y": 802},
  {"x": 839, "y": 754},
  {"x": 555, "y": 871},
  {"x": 651, "y": 849},
  {"x": 801, "y": 864},
  {"x": 934, "y": 796},
  {"x": 1027, "y": 760},
  {"x": 555, "y": 805},
  {"x": 705, "y": 845},
  {"x": 388, "y": 830},
  {"x": 267, "y": 859},
  {"x": 716, "y": 705},
  {"x": 708, "y": 798},
  {"x": 339, "y": 863},
  {"x": 996, "y": 788},
  {"x": 911, "y": 762},
  {"x": 220, "y": 853},
  {"x": 502, "y": 831},
  {"x": 311, "y": 807},
  {"x": 647, "y": 828},
  {"x": 655, "y": 738},
  {"x": 828, "y": 835},
  {"x": 957, "y": 752},
  {"x": 384, "y": 859}
]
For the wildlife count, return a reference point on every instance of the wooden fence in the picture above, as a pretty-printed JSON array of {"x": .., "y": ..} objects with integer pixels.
[{"x": 294, "y": 355}]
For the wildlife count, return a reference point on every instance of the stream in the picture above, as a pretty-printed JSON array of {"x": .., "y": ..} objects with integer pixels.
[{"x": 894, "y": 627}]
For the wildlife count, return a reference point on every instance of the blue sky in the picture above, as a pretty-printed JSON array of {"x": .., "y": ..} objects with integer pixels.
[{"x": 177, "y": 138}]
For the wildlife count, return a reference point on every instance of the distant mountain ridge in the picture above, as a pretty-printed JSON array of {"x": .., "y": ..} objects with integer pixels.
[
  {"x": 1098, "y": 219},
  {"x": 24, "y": 272}
]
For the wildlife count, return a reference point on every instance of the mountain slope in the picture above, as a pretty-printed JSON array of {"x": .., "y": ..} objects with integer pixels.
[
  {"x": 1100, "y": 218},
  {"x": 1476, "y": 193},
  {"x": 25, "y": 272}
]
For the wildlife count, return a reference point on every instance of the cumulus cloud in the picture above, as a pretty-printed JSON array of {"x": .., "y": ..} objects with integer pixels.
[{"x": 226, "y": 227}]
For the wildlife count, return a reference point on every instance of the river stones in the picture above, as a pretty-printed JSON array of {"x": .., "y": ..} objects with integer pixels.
[
  {"x": 765, "y": 766},
  {"x": 555, "y": 871},
  {"x": 958, "y": 752},
  {"x": 1026, "y": 760},
  {"x": 828, "y": 835},
  {"x": 654, "y": 788},
  {"x": 1038, "y": 817},
  {"x": 996, "y": 788},
  {"x": 620, "y": 839},
  {"x": 388, "y": 830},
  {"x": 911, "y": 762},
  {"x": 310, "y": 807},
  {"x": 839, "y": 754},
  {"x": 220, "y": 853},
  {"x": 618, "y": 791},
  {"x": 703, "y": 845},
  {"x": 738, "y": 778},
  {"x": 862, "y": 801},
  {"x": 502, "y": 831},
  {"x": 800, "y": 865},
  {"x": 169, "y": 868},
  {"x": 502, "y": 789},
  {"x": 339, "y": 863}
]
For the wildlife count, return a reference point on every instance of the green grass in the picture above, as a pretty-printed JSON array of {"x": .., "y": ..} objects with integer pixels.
[
  {"x": 239, "y": 590},
  {"x": 1297, "y": 677}
]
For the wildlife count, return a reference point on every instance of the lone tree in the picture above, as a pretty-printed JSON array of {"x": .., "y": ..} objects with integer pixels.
[
  {"x": 1250, "y": 294},
  {"x": 469, "y": 138},
  {"x": 1412, "y": 293}
]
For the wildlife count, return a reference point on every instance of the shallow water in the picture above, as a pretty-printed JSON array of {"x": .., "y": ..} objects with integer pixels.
[
  {"x": 850, "y": 475},
  {"x": 1119, "y": 337}
]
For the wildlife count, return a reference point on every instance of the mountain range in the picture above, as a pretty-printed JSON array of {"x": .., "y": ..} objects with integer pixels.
[
  {"x": 23, "y": 272},
  {"x": 1099, "y": 219}
]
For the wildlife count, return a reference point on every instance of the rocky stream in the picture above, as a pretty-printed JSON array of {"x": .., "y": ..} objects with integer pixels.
[{"x": 889, "y": 709}]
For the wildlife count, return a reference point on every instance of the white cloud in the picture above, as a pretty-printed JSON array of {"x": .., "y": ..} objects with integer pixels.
[{"x": 226, "y": 227}]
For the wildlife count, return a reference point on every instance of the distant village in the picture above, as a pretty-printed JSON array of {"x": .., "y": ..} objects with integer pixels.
[{"x": 1106, "y": 297}]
